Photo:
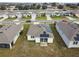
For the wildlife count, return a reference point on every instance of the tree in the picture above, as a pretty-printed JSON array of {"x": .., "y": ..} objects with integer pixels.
[
  {"x": 3, "y": 8},
  {"x": 53, "y": 4},
  {"x": 38, "y": 6},
  {"x": 73, "y": 6},
  {"x": 26, "y": 7},
  {"x": 19, "y": 7},
  {"x": 68, "y": 4},
  {"x": 44, "y": 7},
  {"x": 60, "y": 6},
  {"x": 33, "y": 6}
]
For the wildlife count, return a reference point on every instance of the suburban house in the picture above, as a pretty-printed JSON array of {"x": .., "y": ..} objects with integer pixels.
[
  {"x": 9, "y": 35},
  {"x": 69, "y": 32},
  {"x": 40, "y": 33},
  {"x": 12, "y": 15},
  {"x": 62, "y": 13},
  {"x": 11, "y": 8}
]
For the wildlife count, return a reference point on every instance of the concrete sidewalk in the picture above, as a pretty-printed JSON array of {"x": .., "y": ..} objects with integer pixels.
[{"x": 48, "y": 17}]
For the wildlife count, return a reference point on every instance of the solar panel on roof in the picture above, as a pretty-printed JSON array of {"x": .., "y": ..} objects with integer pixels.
[{"x": 44, "y": 34}]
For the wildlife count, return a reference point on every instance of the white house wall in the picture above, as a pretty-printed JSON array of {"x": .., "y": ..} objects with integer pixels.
[
  {"x": 37, "y": 40},
  {"x": 15, "y": 38},
  {"x": 10, "y": 46},
  {"x": 73, "y": 46},
  {"x": 50, "y": 40},
  {"x": 29, "y": 38},
  {"x": 65, "y": 39}
]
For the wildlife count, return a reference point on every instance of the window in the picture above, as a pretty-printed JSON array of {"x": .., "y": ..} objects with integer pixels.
[
  {"x": 75, "y": 43},
  {"x": 4, "y": 46},
  {"x": 41, "y": 39},
  {"x": 32, "y": 36},
  {"x": 45, "y": 39}
]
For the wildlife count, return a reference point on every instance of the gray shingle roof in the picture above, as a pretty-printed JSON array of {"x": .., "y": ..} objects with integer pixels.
[
  {"x": 9, "y": 32},
  {"x": 37, "y": 29},
  {"x": 68, "y": 28}
]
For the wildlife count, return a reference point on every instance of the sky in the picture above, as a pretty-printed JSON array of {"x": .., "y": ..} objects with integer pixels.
[{"x": 41, "y": 1}]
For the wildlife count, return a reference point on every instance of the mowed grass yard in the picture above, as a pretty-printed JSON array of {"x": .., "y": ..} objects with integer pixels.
[
  {"x": 10, "y": 18},
  {"x": 58, "y": 17},
  {"x": 41, "y": 18},
  {"x": 23, "y": 47},
  {"x": 27, "y": 18}
]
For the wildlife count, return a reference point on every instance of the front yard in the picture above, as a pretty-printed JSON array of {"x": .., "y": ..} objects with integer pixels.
[
  {"x": 11, "y": 18},
  {"x": 41, "y": 18},
  {"x": 26, "y": 17},
  {"x": 57, "y": 17}
]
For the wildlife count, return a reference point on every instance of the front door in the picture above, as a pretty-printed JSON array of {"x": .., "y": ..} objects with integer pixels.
[{"x": 43, "y": 39}]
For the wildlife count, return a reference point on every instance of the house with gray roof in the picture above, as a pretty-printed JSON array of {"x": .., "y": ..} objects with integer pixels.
[
  {"x": 69, "y": 32},
  {"x": 40, "y": 33},
  {"x": 9, "y": 35}
]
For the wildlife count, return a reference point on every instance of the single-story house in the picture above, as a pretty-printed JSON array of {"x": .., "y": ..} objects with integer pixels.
[
  {"x": 9, "y": 35},
  {"x": 40, "y": 33},
  {"x": 11, "y": 8},
  {"x": 11, "y": 15},
  {"x": 61, "y": 13},
  {"x": 69, "y": 32}
]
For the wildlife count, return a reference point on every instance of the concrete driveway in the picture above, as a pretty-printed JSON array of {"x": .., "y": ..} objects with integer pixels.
[
  {"x": 48, "y": 17},
  {"x": 33, "y": 17}
]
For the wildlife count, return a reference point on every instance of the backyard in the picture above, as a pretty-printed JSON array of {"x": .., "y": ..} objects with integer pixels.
[{"x": 23, "y": 47}]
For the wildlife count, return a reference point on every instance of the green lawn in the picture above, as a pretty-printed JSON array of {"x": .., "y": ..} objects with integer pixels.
[
  {"x": 1, "y": 26},
  {"x": 23, "y": 47},
  {"x": 58, "y": 17},
  {"x": 26, "y": 18},
  {"x": 11, "y": 18},
  {"x": 41, "y": 18},
  {"x": 74, "y": 17}
]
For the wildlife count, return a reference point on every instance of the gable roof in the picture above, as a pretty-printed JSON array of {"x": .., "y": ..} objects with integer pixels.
[
  {"x": 37, "y": 29},
  {"x": 68, "y": 28},
  {"x": 7, "y": 33}
]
